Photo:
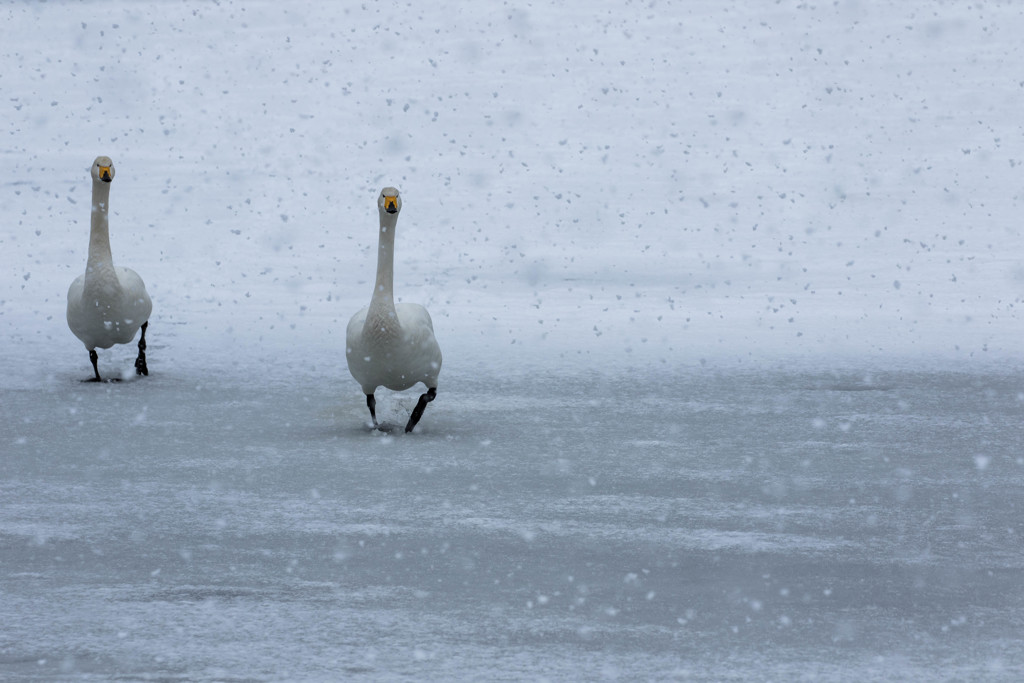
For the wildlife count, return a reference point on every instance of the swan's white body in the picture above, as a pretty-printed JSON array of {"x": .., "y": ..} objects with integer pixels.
[
  {"x": 387, "y": 344},
  {"x": 392, "y": 349},
  {"x": 107, "y": 304}
]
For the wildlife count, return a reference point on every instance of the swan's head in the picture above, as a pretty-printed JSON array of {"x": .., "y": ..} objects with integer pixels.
[
  {"x": 390, "y": 201},
  {"x": 103, "y": 169}
]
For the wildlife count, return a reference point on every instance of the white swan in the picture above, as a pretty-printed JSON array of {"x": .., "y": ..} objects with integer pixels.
[
  {"x": 388, "y": 344},
  {"x": 108, "y": 304}
]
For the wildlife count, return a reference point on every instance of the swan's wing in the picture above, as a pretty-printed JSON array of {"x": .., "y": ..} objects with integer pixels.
[
  {"x": 414, "y": 317},
  {"x": 354, "y": 331},
  {"x": 77, "y": 320},
  {"x": 424, "y": 351},
  {"x": 137, "y": 304},
  {"x": 130, "y": 280},
  {"x": 75, "y": 291},
  {"x": 358, "y": 357}
]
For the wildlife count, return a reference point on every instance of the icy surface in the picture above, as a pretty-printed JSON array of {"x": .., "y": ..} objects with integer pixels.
[
  {"x": 729, "y": 297},
  {"x": 762, "y": 525}
]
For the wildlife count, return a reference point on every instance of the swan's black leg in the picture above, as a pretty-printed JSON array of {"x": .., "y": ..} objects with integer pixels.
[
  {"x": 421, "y": 405},
  {"x": 371, "y": 403},
  {"x": 94, "y": 357},
  {"x": 140, "y": 362}
]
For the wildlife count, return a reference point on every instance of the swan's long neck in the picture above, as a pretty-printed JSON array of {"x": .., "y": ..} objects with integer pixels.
[
  {"x": 382, "y": 315},
  {"x": 100, "y": 260}
]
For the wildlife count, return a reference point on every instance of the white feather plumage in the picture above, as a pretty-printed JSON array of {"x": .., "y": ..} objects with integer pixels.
[
  {"x": 107, "y": 304},
  {"x": 387, "y": 344}
]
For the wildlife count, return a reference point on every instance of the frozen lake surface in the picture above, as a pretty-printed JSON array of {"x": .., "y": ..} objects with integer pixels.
[
  {"x": 707, "y": 525},
  {"x": 730, "y": 300}
]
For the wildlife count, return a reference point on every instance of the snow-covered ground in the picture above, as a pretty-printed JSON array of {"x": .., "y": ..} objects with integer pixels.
[{"x": 729, "y": 296}]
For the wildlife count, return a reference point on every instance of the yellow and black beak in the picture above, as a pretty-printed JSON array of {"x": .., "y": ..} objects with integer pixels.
[
  {"x": 105, "y": 174},
  {"x": 391, "y": 204}
]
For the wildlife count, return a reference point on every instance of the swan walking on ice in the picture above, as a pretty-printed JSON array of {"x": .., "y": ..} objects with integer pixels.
[
  {"x": 108, "y": 304},
  {"x": 388, "y": 344}
]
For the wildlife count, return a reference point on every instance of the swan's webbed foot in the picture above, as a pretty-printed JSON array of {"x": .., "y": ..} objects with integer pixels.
[
  {"x": 140, "y": 362},
  {"x": 421, "y": 405},
  {"x": 371, "y": 403}
]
